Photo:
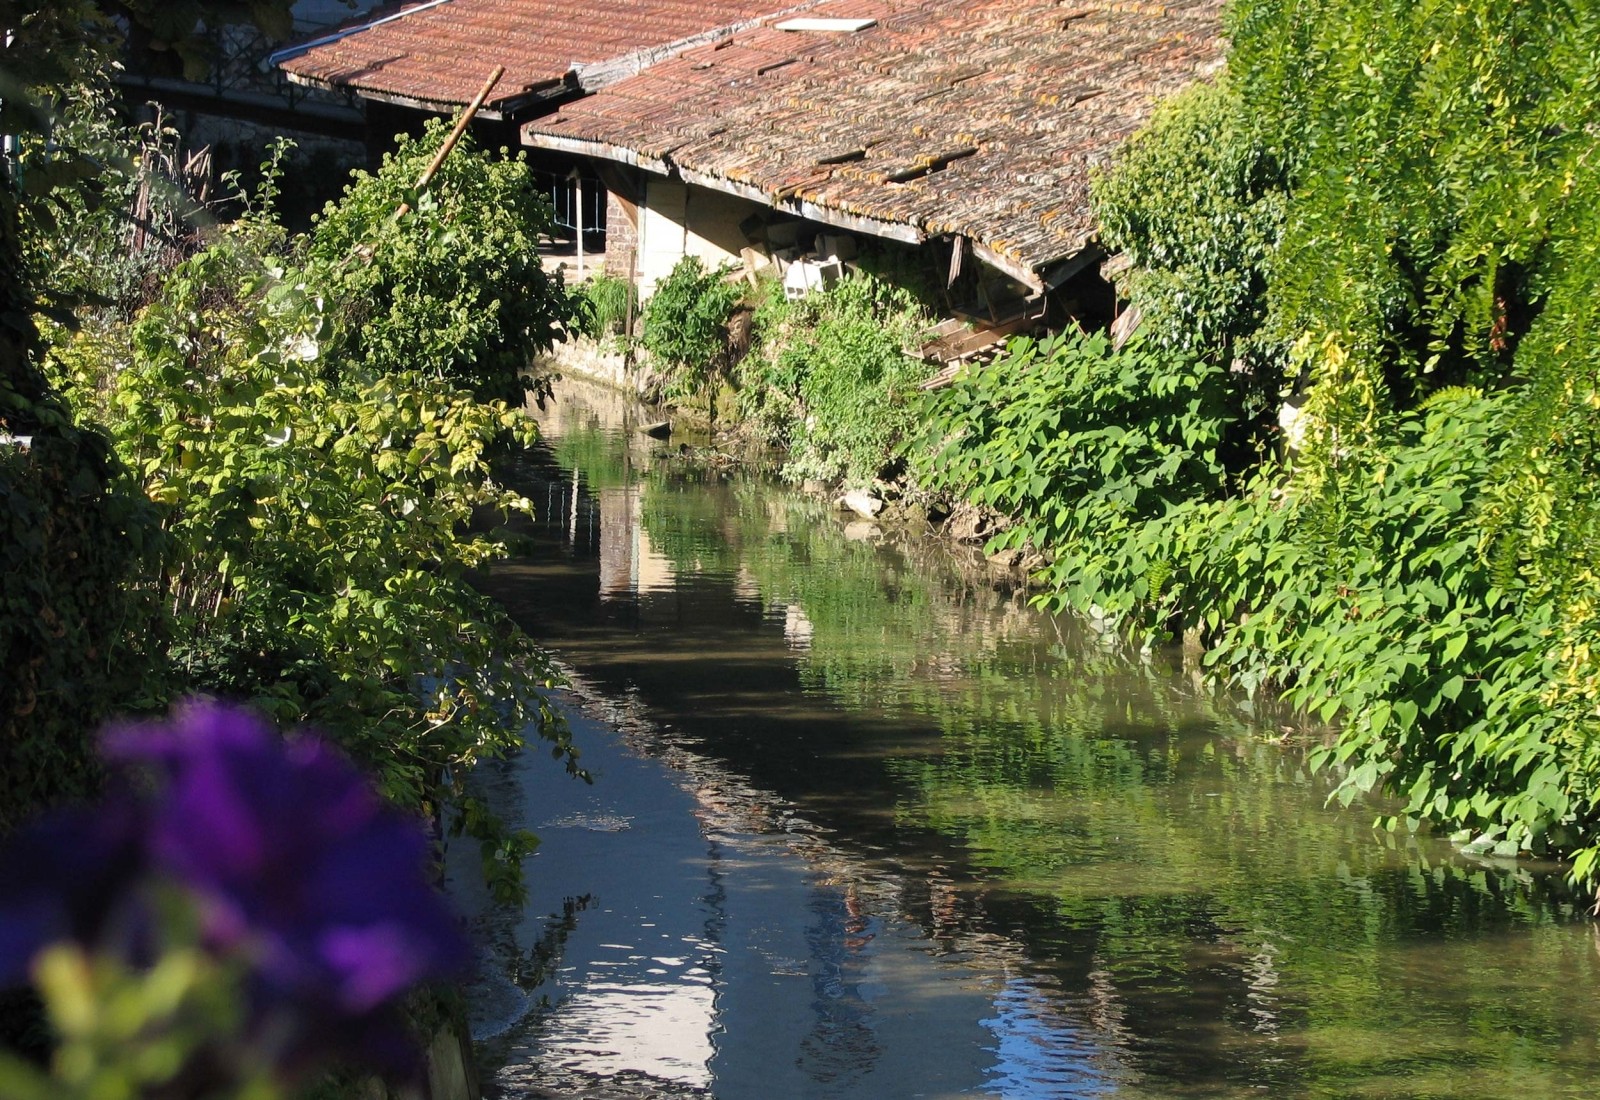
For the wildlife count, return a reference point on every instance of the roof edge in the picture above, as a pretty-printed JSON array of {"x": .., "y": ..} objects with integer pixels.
[
  {"x": 663, "y": 165},
  {"x": 904, "y": 232},
  {"x": 600, "y": 150},
  {"x": 1027, "y": 276},
  {"x": 357, "y": 26},
  {"x": 495, "y": 110}
]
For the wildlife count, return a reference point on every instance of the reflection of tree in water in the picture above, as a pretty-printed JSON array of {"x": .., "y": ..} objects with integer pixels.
[
  {"x": 508, "y": 975},
  {"x": 532, "y": 967},
  {"x": 842, "y": 1045},
  {"x": 501, "y": 994}
]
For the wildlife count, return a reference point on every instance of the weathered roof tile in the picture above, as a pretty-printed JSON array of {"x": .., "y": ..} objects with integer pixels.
[
  {"x": 1038, "y": 94},
  {"x": 437, "y": 54}
]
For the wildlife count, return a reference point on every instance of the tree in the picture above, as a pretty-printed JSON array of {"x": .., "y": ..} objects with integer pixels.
[{"x": 70, "y": 537}]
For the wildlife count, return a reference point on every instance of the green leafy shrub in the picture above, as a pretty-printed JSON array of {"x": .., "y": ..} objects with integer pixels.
[
  {"x": 317, "y": 524},
  {"x": 601, "y": 306},
  {"x": 454, "y": 289},
  {"x": 1438, "y": 150},
  {"x": 830, "y": 380},
  {"x": 686, "y": 323},
  {"x": 75, "y": 632},
  {"x": 1443, "y": 233},
  {"x": 76, "y": 635},
  {"x": 1379, "y": 609},
  {"x": 1093, "y": 451},
  {"x": 1196, "y": 200}
]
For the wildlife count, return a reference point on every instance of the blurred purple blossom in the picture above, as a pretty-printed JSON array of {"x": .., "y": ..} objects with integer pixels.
[
  {"x": 70, "y": 876},
  {"x": 295, "y": 864}
]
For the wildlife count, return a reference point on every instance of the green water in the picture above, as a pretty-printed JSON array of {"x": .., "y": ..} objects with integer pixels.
[{"x": 1115, "y": 853}]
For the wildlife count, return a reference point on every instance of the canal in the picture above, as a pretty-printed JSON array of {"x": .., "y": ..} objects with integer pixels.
[{"x": 864, "y": 826}]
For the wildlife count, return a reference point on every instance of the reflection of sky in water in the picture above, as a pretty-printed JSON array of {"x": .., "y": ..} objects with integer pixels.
[
  {"x": 631, "y": 1024},
  {"x": 707, "y": 958},
  {"x": 1197, "y": 921},
  {"x": 1038, "y": 1052}
]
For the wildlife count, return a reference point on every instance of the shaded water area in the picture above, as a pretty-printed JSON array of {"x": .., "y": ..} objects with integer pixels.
[{"x": 863, "y": 826}]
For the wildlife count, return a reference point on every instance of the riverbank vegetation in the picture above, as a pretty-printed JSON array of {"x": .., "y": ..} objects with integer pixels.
[
  {"x": 823, "y": 377},
  {"x": 827, "y": 378},
  {"x": 262, "y": 471},
  {"x": 1348, "y": 450},
  {"x": 1382, "y": 221}
]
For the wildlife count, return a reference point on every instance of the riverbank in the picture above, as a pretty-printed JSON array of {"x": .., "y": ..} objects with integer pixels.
[
  {"x": 1342, "y": 436},
  {"x": 881, "y": 509},
  {"x": 1111, "y": 882},
  {"x": 1097, "y": 480}
]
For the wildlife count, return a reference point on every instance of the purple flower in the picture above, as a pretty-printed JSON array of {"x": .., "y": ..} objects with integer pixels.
[
  {"x": 70, "y": 876},
  {"x": 295, "y": 864}
]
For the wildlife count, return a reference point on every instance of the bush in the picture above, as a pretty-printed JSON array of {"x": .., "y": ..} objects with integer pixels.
[
  {"x": 454, "y": 290},
  {"x": 686, "y": 324},
  {"x": 76, "y": 633},
  {"x": 1377, "y": 607},
  {"x": 1444, "y": 234},
  {"x": 1092, "y": 451},
  {"x": 830, "y": 380},
  {"x": 601, "y": 306},
  {"x": 1196, "y": 200},
  {"x": 317, "y": 517}
]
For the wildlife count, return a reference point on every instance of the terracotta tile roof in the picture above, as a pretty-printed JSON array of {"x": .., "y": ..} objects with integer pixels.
[
  {"x": 981, "y": 118},
  {"x": 438, "y": 53}
]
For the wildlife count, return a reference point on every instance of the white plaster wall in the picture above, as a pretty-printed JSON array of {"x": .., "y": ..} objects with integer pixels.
[
  {"x": 713, "y": 226},
  {"x": 677, "y": 221},
  {"x": 663, "y": 232}
]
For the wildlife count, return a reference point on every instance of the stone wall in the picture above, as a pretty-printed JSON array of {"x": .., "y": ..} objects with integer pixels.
[
  {"x": 622, "y": 236},
  {"x": 597, "y": 362}
]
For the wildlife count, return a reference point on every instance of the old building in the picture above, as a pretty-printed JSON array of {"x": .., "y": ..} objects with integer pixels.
[
  {"x": 965, "y": 130},
  {"x": 956, "y": 136},
  {"x": 404, "y": 62}
]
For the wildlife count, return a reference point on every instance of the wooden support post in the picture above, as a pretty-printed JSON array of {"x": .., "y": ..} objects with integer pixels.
[
  {"x": 455, "y": 135},
  {"x": 578, "y": 187}
]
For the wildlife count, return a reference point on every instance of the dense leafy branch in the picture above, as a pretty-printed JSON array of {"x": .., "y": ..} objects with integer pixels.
[{"x": 1387, "y": 212}]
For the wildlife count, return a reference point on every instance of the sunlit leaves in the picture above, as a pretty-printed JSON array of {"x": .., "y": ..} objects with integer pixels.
[
  {"x": 686, "y": 323},
  {"x": 830, "y": 378},
  {"x": 320, "y": 520},
  {"x": 453, "y": 290},
  {"x": 1093, "y": 451},
  {"x": 1196, "y": 202}
]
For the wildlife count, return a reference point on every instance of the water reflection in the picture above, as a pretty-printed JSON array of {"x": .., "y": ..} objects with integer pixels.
[
  {"x": 721, "y": 944},
  {"x": 629, "y": 564},
  {"x": 1039, "y": 1050},
  {"x": 908, "y": 837}
]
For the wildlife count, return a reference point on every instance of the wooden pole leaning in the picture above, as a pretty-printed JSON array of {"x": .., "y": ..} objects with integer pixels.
[{"x": 455, "y": 135}]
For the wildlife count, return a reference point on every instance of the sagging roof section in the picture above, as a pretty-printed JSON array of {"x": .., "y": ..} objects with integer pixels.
[
  {"x": 435, "y": 54},
  {"x": 945, "y": 118}
]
